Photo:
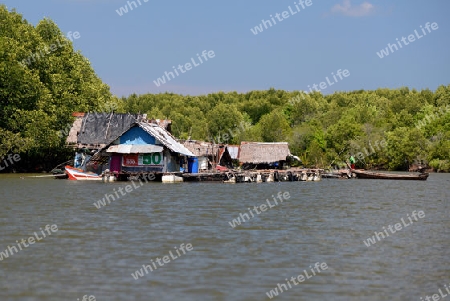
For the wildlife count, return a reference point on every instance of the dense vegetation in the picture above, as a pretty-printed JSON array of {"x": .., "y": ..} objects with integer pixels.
[
  {"x": 40, "y": 86},
  {"x": 383, "y": 128}
]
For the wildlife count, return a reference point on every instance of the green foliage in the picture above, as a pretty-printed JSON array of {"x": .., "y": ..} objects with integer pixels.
[
  {"x": 37, "y": 100},
  {"x": 274, "y": 127},
  {"x": 222, "y": 118},
  {"x": 440, "y": 165},
  {"x": 42, "y": 82},
  {"x": 320, "y": 129},
  {"x": 404, "y": 145}
]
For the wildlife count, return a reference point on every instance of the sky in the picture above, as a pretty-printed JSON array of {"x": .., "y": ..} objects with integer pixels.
[{"x": 305, "y": 44}]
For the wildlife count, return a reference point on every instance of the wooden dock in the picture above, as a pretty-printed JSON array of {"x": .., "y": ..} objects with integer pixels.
[
  {"x": 251, "y": 176},
  {"x": 230, "y": 176}
]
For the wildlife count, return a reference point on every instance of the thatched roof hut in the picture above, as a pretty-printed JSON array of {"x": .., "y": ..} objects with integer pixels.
[
  {"x": 201, "y": 148},
  {"x": 263, "y": 152},
  {"x": 76, "y": 126}
]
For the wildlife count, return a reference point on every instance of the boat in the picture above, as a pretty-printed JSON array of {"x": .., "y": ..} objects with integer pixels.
[
  {"x": 362, "y": 174},
  {"x": 79, "y": 174}
]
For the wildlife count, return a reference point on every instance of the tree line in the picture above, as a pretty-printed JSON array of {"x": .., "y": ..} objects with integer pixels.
[
  {"x": 42, "y": 81},
  {"x": 383, "y": 128}
]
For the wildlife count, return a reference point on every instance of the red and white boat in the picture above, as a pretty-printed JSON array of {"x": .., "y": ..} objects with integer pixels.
[{"x": 79, "y": 174}]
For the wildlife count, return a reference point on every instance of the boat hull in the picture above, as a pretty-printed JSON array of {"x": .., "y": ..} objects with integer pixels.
[
  {"x": 80, "y": 175},
  {"x": 385, "y": 176}
]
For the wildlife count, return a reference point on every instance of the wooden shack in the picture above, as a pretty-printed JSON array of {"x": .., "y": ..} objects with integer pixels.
[
  {"x": 142, "y": 148},
  {"x": 263, "y": 155},
  {"x": 209, "y": 154}
]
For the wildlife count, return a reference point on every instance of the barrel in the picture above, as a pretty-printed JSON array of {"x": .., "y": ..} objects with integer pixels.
[{"x": 193, "y": 165}]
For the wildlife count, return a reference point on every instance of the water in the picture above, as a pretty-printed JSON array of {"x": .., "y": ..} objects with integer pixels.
[{"x": 95, "y": 250}]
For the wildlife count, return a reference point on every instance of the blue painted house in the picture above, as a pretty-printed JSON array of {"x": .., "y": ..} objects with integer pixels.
[{"x": 143, "y": 147}]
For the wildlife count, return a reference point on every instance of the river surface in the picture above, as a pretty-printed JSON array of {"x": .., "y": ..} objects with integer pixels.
[{"x": 94, "y": 252}]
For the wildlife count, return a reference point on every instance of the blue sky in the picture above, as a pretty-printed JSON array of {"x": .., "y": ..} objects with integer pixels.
[{"x": 131, "y": 51}]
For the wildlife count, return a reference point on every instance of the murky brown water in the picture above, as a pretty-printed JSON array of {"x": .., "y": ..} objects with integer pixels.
[{"x": 95, "y": 250}]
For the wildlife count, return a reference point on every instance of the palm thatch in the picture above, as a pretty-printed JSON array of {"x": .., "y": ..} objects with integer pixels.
[
  {"x": 201, "y": 148},
  {"x": 73, "y": 133},
  {"x": 263, "y": 152}
]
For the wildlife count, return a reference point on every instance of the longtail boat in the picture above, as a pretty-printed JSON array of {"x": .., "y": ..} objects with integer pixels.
[
  {"x": 79, "y": 174},
  {"x": 362, "y": 174}
]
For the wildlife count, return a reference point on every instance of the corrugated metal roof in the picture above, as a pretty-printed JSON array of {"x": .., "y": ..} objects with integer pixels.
[
  {"x": 96, "y": 130},
  {"x": 162, "y": 135},
  {"x": 103, "y": 128},
  {"x": 165, "y": 138},
  {"x": 134, "y": 149}
]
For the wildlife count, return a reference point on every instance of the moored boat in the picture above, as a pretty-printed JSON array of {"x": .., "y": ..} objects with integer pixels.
[
  {"x": 362, "y": 174},
  {"x": 79, "y": 174}
]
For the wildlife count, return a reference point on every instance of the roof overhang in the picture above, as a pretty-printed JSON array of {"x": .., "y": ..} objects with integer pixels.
[{"x": 134, "y": 149}]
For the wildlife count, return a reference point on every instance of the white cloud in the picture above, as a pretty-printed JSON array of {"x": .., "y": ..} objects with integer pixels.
[{"x": 347, "y": 9}]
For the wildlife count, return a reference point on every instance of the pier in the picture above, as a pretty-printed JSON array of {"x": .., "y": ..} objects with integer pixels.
[{"x": 229, "y": 176}]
